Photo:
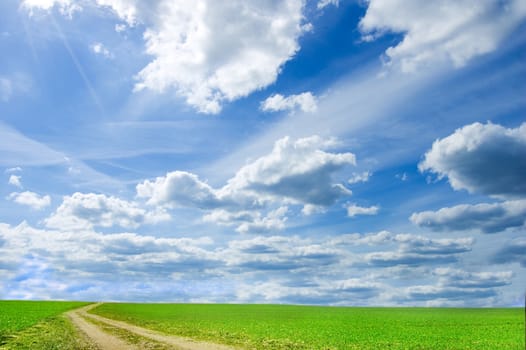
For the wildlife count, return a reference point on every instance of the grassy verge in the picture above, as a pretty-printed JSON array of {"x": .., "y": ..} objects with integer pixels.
[
  {"x": 54, "y": 333},
  {"x": 300, "y": 327},
  {"x": 36, "y": 325}
]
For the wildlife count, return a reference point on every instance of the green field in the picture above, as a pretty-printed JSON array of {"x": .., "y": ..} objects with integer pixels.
[
  {"x": 306, "y": 327},
  {"x": 31, "y": 318}
]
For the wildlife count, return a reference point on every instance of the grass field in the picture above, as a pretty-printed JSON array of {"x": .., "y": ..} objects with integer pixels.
[
  {"x": 26, "y": 324},
  {"x": 303, "y": 327}
]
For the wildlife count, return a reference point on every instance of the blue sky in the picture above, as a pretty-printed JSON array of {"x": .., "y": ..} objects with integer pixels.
[{"x": 313, "y": 152}]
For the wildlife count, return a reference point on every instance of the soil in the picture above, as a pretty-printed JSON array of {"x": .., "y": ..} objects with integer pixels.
[{"x": 105, "y": 341}]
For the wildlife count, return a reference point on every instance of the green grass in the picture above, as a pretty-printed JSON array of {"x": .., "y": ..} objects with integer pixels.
[
  {"x": 32, "y": 316},
  {"x": 54, "y": 333},
  {"x": 304, "y": 327}
]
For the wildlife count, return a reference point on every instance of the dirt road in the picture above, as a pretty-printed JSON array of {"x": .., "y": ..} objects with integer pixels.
[{"x": 106, "y": 341}]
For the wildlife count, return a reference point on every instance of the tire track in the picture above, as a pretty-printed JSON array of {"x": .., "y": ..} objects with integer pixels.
[{"x": 107, "y": 341}]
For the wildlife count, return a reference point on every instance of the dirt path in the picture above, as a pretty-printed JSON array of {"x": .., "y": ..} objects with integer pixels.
[{"x": 106, "y": 341}]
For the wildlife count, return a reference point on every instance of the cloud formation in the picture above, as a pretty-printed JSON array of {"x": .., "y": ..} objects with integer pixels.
[
  {"x": 66, "y": 7},
  {"x": 455, "y": 285},
  {"x": 418, "y": 250},
  {"x": 295, "y": 172},
  {"x": 299, "y": 170},
  {"x": 30, "y": 199},
  {"x": 488, "y": 218},
  {"x": 306, "y": 102},
  {"x": 208, "y": 52},
  {"x": 453, "y": 31},
  {"x": 293, "y": 269},
  {"x": 88, "y": 210},
  {"x": 481, "y": 158},
  {"x": 15, "y": 180}
]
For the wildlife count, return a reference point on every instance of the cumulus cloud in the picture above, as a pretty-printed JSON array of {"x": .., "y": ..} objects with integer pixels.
[
  {"x": 212, "y": 51},
  {"x": 30, "y": 199},
  {"x": 354, "y": 210},
  {"x": 488, "y": 218},
  {"x": 481, "y": 158},
  {"x": 208, "y": 52},
  {"x": 441, "y": 31},
  {"x": 180, "y": 188},
  {"x": 15, "y": 180},
  {"x": 86, "y": 210},
  {"x": 296, "y": 172},
  {"x": 306, "y": 102}
]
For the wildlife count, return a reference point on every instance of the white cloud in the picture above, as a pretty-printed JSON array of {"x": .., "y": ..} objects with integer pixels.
[
  {"x": 305, "y": 102},
  {"x": 86, "y": 210},
  {"x": 211, "y": 51},
  {"x": 125, "y": 9},
  {"x": 488, "y": 218},
  {"x": 298, "y": 170},
  {"x": 481, "y": 158},
  {"x": 249, "y": 221},
  {"x": 354, "y": 210},
  {"x": 438, "y": 31},
  {"x": 30, "y": 199},
  {"x": 316, "y": 270},
  {"x": 208, "y": 52},
  {"x": 100, "y": 49},
  {"x": 180, "y": 188},
  {"x": 15, "y": 180},
  {"x": 295, "y": 172},
  {"x": 274, "y": 221},
  {"x": 359, "y": 177},
  {"x": 324, "y": 3},
  {"x": 382, "y": 237},
  {"x": 66, "y": 7}
]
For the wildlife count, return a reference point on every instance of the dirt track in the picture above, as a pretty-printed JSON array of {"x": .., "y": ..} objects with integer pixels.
[{"x": 106, "y": 341}]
